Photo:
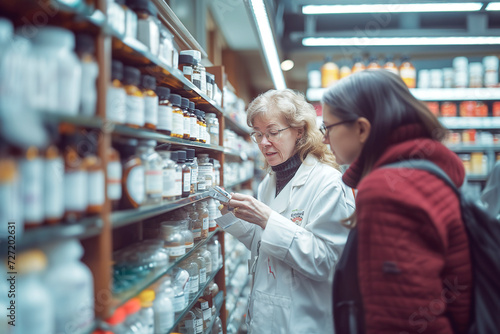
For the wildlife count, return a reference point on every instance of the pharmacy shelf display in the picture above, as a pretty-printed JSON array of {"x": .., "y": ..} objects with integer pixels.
[{"x": 107, "y": 231}]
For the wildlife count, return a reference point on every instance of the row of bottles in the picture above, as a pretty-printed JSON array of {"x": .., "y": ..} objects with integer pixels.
[
  {"x": 330, "y": 72},
  {"x": 52, "y": 292},
  {"x": 136, "y": 100}
]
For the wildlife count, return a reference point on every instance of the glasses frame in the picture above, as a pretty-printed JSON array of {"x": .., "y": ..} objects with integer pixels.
[
  {"x": 324, "y": 129},
  {"x": 267, "y": 135}
]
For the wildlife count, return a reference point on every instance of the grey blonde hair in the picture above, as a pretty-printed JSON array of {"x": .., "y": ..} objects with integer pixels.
[{"x": 299, "y": 114}]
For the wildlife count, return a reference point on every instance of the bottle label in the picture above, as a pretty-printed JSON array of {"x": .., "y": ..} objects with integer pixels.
[
  {"x": 178, "y": 303},
  {"x": 193, "y": 127},
  {"x": 189, "y": 245},
  {"x": 164, "y": 118},
  {"x": 205, "y": 223},
  {"x": 197, "y": 233},
  {"x": 75, "y": 191},
  {"x": 212, "y": 223},
  {"x": 194, "y": 283},
  {"x": 114, "y": 180},
  {"x": 135, "y": 184},
  {"x": 177, "y": 123},
  {"x": 204, "y": 305},
  {"x": 199, "y": 326},
  {"x": 96, "y": 188},
  {"x": 187, "y": 70},
  {"x": 490, "y": 78},
  {"x": 214, "y": 130},
  {"x": 178, "y": 183},
  {"x": 88, "y": 97},
  {"x": 116, "y": 105},
  {"x": 203, "y": 276},
  {"x": 187, "y": 125},
  {"x": 174, "y": 251},
  {"x": 169, "y": 182},
  {"x": 187, "y": 182},
  {"x": 194, "y": 175},
  {"x": 53, "y": 188},
  {"x": 151, "y": 109},
  {"x": 201, "y": 185},
  {"x": 135, "y": 110},
  {"x": 32, "y": 189},
  {"x": 203, "y": 85},
  {"x": 207, "y": 314},
  {"x": 154, "y": 182},
  {"x": 196, "y": 79}
]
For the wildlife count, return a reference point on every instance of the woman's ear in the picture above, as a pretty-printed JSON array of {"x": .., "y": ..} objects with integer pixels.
[
  {"x": 300, "y": 133},
  {"x": 364, "y": 128}
]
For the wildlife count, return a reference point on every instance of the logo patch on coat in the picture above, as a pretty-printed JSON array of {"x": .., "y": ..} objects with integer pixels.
[{"x": 297, "y": 216}]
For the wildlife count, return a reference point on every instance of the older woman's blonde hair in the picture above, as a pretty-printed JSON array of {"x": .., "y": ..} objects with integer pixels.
[{"x": 299, "y": 114}]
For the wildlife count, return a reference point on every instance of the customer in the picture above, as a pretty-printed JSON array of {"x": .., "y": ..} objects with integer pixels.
[
  {"x": 293, "y": 229},
  {"x": 412, "y": 253},
  {"x": 490, "y": 195}
]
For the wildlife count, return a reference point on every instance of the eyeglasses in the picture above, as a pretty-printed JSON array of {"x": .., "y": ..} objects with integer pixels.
[
  {"x": 271, "y": 135},
  {"x": 324, "y": 129}
]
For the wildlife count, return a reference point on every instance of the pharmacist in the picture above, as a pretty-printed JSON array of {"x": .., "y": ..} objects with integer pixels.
[{"x": 293, "y": 230}]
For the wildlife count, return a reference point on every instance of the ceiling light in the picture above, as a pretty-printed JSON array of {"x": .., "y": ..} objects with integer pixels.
[
  {"x": 493, "y": 6},
  {"x": 393, "y": 8},
  {"x": 400, "y": 41},
  {"x": 287, "y": 65},
  {"x": 267, "y": 42}
]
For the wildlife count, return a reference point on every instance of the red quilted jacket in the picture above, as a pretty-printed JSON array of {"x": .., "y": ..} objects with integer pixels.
[{"x": 413, "y": 252}]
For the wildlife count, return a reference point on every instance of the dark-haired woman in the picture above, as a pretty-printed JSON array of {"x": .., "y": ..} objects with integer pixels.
[{"x": 408, "y": 252}]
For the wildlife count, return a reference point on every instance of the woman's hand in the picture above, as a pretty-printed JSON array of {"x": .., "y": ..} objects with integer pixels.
[{"x": 250, "y": 209}]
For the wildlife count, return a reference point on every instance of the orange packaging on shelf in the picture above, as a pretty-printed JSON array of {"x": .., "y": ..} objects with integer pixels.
[
  {"x": 496, "y": 109},
  {"x": 469, "y": 136},
  {"x": 467, "y": 109},
  {"x": 433, "y": 107},
  {"x": 476, "y": 162},
  {"x": 481, "y": 110},
  {"x": 454, "y": 138},
  {"x": 448, "y": 109}
]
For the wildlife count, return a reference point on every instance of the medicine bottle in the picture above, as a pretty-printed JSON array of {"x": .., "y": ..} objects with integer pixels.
[
  {"x": 116, "y": 95},
  {"x": 475, "y": 75},
  {"x": 205, "y": 170},
  {"x": 193, "y": 120},
  {"x": 329, "y": 73},
  {"x": 96, "y": 182},
  {"x": 187, "y": 119},
  {"x": 358, "y": 65},
  {"x": 186, "y": 173},
  {"x": 390, "y": 65},
  {"x": 133, "y": 320},
  {"x": 186, "y": 64},
  {"x": 173, "y": 240},
  {"x": 53, "y": 187},
  {"x": 202, "y": 265},
  {"x": 177, "y": 116},
  {"x": 192, "y": 162},
  {"x": 166, "y": 51},
  {"x": 181, "y": 290},
  {"x": 210, "y": 86},
  {"x": 198, "y": 68},
  {"x": 31, "y": 169},
  {"x": 201, "y": 208},
  {"x": 132, "y": 175},
  {"x": 373, "y": 64},
  {"x": 153, "y": 169},
  {"x": 191, "y": 267},
  {"x": 75, "y": 178},
  {"x": 408, "y": 73},
  {"x": 345, "y": 70},
  {"x": 146, "y": 313},
  {"x": 10, "y": 203},
  {"x": 195, "y": 223},
  {"x": 148, "y": 86},
  {"x": 212, "y": 128},
  {"x": 148, "y": 31},
  {"x": 163, "y": 307},
  {"x": 187, "y": 234},
  {"x": 211, "y": 215},
  {"x": 490, "y": 71},
  {"x": 85, "y": 50},
  {"x": 201, "y": 128},
  {"x": 116, "y": 15},
  {"x": 169, "y": 172},
  {"x": 164, "y": 111},
  {"x": 135, "y": 98},
  {"x": 114, "y": 177}
]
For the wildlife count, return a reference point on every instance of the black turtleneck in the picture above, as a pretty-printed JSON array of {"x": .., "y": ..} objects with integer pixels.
[{"x": 286, "y": 171}]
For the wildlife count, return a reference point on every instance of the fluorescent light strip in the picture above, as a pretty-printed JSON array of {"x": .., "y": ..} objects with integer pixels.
[
  {"x": 493, "y": 6},
  {"x": 400, "y": 41},
  {"x": 267, "y": 40},
  {"x": 393, "y": 8}
]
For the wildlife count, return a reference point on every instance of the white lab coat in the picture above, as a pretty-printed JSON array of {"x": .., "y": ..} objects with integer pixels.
[{"x": 292, "y": 287}]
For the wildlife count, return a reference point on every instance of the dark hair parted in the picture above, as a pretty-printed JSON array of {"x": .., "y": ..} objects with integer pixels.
[{"x": 384, "y": 100}]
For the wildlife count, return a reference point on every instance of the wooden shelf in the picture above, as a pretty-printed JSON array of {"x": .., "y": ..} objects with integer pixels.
[{"x": 232, "y": 125}]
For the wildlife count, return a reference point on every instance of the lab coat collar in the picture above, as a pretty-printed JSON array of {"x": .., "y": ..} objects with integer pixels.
[{"x": 280, "y": 203}]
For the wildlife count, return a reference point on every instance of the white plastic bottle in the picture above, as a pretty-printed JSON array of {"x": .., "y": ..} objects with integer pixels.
[
  {"x": 133, "y": 320},
  {"x": 71, "y": 287},
  {"x": 34, "y": 307},
  {"x": 146, "y": 314},
  {"x": 163, "y": 308}
]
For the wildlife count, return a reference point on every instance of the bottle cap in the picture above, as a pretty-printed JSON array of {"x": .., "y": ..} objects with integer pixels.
[
  {"x": 131, "y": 76},
  {"x": 181, "y": 155},
  {"x": 55, "y": 37},
  {"x": 173, "y": 156},
  {"x": 194, "y": 53},
  {"x": 116, "y": 70},
  {"x": 147, "y": 297},
  {"x": 175, "y": 100},
  {"x": 118, "y": 317},
  {"x": 148, "y": 82},
  {"x": 186, "y": 59},
  {"x": 132, "y": 306},
  {"x": 144, "y": 5},
  {"x": 190, "y": 153},
  {"x": 84, "y": 43},
  {"x": 191, "y": 106},
  {"x": 163, "y": 93},
  {"x": 184, "y": 103}
]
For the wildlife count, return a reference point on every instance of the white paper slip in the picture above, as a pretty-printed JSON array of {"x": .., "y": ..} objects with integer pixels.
[{"x": 226, "y": 220}]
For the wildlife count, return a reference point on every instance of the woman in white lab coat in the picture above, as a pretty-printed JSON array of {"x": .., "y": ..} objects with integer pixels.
[{"x": 293, "y": 228}]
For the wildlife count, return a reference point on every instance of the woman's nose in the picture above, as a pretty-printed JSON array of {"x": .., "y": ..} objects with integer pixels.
[{"x": 265, "y": 141}]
